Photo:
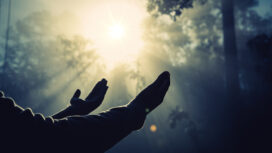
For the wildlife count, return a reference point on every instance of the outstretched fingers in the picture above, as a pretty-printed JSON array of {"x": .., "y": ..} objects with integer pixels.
[
  {"x": 103, "y": 92},
  {"x": 164, "y": 86},
  {"x": 97, "y": 88},
  {"x": 152, "y": 96},
  {"x": 161, "y": 78}
]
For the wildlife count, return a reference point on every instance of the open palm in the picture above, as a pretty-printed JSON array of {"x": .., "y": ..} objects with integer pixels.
[{"x": 92, "y": 101}]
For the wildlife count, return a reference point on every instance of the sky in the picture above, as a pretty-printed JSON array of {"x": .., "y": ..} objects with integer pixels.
[
  {"x": 264, "y": 7},
  {"x": 22, "y": 8},
  {"x": 113, "y": 25}
]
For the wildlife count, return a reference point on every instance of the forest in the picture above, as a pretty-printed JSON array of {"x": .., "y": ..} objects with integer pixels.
[{"x": 219, "y": 54}]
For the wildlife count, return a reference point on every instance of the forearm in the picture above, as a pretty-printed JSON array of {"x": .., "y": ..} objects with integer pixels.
[
  {"x": 101, "y": 131},
  {"x": 75, "y": 110},
  {"x": 104, "y": 130}
]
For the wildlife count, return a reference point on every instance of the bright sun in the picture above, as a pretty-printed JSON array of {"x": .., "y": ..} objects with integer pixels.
[{"x": 116, "y": 30}]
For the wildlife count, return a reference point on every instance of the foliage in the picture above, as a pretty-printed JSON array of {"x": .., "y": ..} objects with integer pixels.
[
  {"x": 38, "y": 56},
  {"x": 172, "y": 8}
]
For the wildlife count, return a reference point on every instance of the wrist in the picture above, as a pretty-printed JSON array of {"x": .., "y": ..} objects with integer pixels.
[
  {"x": 138, "y": 107},
  {"x": 64, "y": 113}
]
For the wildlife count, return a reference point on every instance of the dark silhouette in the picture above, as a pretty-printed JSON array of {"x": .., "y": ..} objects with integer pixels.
[
  {"x": 72, "y": 129},
  {"x": 84, "y": 107}
]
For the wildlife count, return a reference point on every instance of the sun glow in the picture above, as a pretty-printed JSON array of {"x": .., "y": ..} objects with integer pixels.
[{"x": 115, "y": 29}]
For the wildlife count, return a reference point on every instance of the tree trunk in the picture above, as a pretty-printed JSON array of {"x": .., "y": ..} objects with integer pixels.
[
  {"x": 232, "y": 81},
  {"x": 230, "y": 49}
]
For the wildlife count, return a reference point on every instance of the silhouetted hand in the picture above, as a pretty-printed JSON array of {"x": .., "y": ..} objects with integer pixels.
[
  {"x": 92, "y": 101},
  {"x": 83, "y": 107},
  {"x": 153, "y": 95}
]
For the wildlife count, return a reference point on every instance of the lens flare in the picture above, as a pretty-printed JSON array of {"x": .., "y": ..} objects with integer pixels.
[{"x": 153, "y": 128}]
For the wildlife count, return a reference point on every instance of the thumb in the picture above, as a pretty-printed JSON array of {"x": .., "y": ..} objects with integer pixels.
[{"x": 75, "y": 96}]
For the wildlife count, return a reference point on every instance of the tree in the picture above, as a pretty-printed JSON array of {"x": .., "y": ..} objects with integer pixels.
[
  {"x": 42, "y": 62},
  {"x": 174, "y": 8},
  {"x": 230, "y": 49}
]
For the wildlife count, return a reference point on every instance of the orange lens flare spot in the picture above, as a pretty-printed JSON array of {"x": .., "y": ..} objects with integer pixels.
[{"x": 153, "y": 128}]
